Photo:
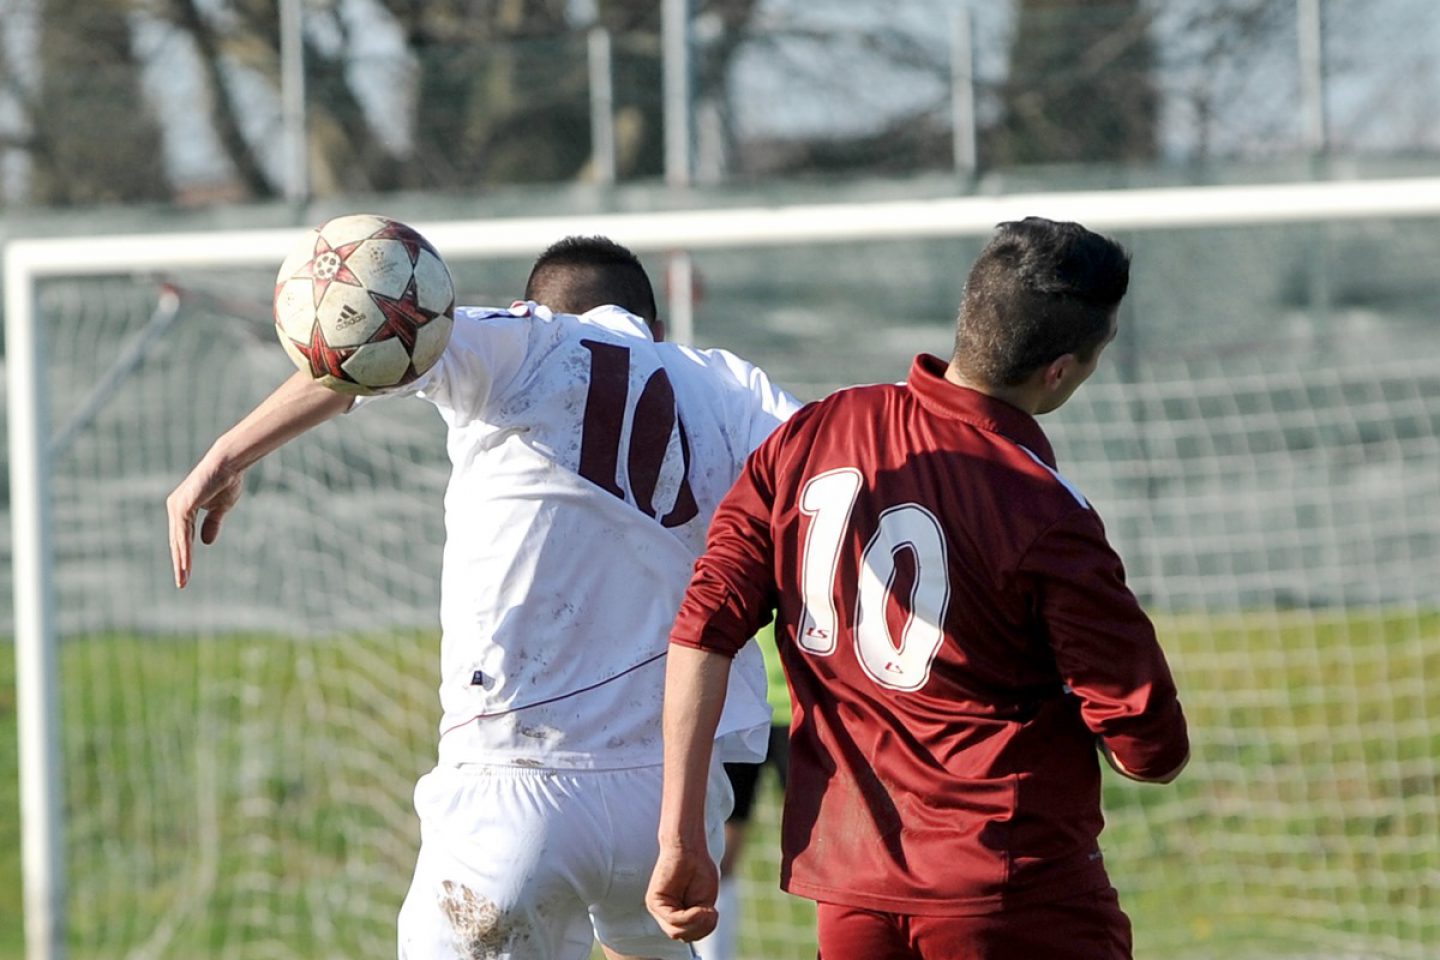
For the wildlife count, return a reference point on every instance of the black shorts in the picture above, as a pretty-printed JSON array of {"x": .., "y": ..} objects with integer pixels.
[{"x": 745, "y": 776}]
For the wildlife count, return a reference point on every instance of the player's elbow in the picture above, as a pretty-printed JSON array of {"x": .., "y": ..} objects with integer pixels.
[
  {"x": 1144, "y": 766},
  {"x": 1170, "y": 776}
]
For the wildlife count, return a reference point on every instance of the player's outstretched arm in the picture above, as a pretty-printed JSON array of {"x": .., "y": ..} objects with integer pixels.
[
  {"x": 214, "y": 484},
  {"x": 686, "y": 881}
]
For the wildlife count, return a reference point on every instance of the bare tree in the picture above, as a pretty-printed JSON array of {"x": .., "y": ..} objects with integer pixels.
[
  {"x": 495, "y": 92},
  {"x": 1080, "y": 87},
  {"x": 877, "y": 88},
  {"x": 88, "y": 78},
  {"x": 500, "y": 92},
  {"x": 210, "y": 43},
  {"x": 502, "y": 86},
  {"x": 483, "y": 92},
  {"x": 1232, "y": 76}
]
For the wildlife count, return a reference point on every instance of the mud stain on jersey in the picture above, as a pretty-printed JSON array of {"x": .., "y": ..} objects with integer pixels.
[
  {"x": 482, "y": 930},
  {"x": 537, "y": 733}
]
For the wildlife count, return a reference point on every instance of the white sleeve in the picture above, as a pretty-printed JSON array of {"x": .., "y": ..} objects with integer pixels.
[
  {"x": 487, "y": 349},
  {"x": 769, "y": 405}
]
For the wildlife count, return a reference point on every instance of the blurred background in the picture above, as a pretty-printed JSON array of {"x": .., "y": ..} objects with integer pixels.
[
  {"x": 189, "y": 103},
  {"x": 232, "y": 766}
]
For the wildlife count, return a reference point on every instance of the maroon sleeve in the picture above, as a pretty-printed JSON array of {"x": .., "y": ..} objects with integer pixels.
[
  {"x": 1105, "y": 646},
  {"x": 731, "y": 594}
]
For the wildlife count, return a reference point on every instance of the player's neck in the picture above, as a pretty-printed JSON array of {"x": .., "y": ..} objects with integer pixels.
[{"x": 1022, "y": 396}]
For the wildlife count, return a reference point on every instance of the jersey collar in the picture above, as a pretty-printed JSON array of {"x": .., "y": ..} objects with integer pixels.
[
  {"x": 616, "y": 318},
  {"x": 610, "y": 316},
  {"x": 938, "y": 395}
]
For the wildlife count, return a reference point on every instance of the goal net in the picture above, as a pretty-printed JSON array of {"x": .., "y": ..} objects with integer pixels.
[{"x": 235, "y": 761}]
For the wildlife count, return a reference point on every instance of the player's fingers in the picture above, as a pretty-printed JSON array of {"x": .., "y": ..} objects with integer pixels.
[
  {"x": 210, "y": 526},
  {"x": 182, "y": 532},
  {"x": 180, "y": 562},
  {"x": 217, "y": 506},
  {"x": 691, "y": 923},
  {"x": 663, "y": 907},
  {"x": 679, "y": 921}
]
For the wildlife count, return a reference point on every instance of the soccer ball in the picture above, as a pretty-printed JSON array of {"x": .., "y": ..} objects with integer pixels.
[{"x": 364, "y": 304}]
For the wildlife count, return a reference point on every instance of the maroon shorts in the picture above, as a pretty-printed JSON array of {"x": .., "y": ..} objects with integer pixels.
[{"x": 1088, "y": 927}]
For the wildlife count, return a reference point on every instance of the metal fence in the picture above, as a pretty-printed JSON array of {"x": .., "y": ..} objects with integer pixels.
[{"x": 347, "y": 97}]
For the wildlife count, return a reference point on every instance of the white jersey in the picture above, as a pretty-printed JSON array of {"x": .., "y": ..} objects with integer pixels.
[{"x": 577, "y": 504}]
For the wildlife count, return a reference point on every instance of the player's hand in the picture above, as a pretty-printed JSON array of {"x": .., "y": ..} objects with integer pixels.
[
  {"x": 208, "y": 489},
  {"x": 682, "y": 894}
]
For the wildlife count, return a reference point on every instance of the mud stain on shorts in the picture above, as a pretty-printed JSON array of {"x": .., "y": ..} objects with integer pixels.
[{"x": 482, "y": 930}]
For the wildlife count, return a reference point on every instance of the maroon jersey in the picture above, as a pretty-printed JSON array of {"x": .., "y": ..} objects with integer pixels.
[{"x": 956, "y": 631}]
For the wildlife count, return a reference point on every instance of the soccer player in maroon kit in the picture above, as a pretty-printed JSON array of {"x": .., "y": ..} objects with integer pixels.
[{"x": 957, "y": 634}]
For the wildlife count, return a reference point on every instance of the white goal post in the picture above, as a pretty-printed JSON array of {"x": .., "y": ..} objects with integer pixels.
[{"x": 27, "y": 262}]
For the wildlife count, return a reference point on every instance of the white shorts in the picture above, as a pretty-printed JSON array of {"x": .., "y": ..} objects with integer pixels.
[{"x": 518, "y": 863}]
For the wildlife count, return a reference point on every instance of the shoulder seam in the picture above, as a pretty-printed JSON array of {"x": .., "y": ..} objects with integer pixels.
[{"x": 1073, "y": 490}]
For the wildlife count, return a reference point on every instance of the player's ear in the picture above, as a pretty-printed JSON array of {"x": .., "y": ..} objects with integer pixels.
[{"x": 1059, "y": 371}]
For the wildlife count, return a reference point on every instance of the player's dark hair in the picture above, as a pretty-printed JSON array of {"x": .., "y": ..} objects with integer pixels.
[
  {"x": 578, "y": 274},
  {"x": 1039, "y": 290}
]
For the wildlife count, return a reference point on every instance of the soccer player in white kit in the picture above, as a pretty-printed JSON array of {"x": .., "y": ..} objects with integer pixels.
[{"x": 588, "y": 456}]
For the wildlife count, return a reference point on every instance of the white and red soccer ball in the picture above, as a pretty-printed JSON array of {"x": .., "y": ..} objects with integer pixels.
[{"x": 363, "y": 304}]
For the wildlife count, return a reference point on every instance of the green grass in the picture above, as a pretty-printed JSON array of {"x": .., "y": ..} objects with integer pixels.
[
  {"x": 1307, "y": 821},
  {"x": 11, "y": 907},
  {"x": 222, "y": 783},
  {"x": 248, "y": 796}
]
